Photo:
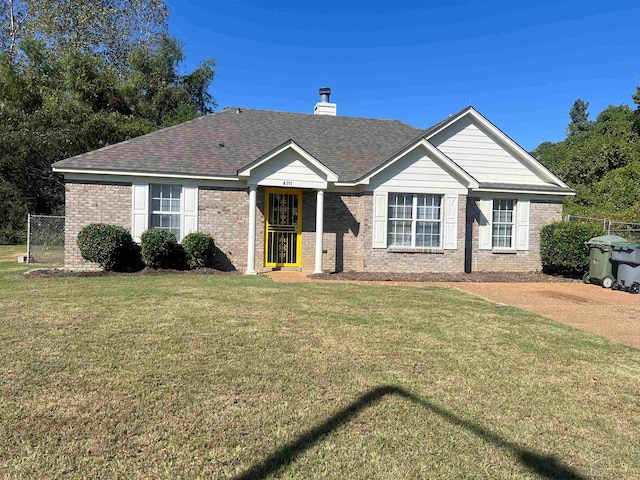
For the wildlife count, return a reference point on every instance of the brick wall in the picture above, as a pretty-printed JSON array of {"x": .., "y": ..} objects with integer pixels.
[
  {"x": 541, "y": 213},
  {"x": 87, "y": 203},
  {"x": 384, "y": 260},
  {"x": 224, "y": 214},
  {"x": 342, "y": 237},
  {"x": 347, "y": 239}
]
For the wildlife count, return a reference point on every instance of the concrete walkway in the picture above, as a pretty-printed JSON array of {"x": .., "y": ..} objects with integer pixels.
[{"x": 611, "y": 314}]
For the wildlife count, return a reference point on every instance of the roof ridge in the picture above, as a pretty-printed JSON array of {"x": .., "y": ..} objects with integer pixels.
[{"x": 243, "y": 110}]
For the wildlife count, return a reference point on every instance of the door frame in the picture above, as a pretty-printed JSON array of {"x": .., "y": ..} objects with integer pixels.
[{"x": 289, "y": 191}]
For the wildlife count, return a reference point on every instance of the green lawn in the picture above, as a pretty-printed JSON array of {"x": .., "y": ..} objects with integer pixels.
[
  {"x": 10, "y": 253},
  {"x": 233, "y": 376}
]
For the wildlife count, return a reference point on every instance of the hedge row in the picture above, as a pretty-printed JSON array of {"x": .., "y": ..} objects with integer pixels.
[
  {"x": 113, "y": 249},
  {"x": 563, "y": 249}
]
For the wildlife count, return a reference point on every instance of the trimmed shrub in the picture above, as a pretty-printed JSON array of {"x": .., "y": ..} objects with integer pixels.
[
  {"x": 160, "y": 249},
  {"x": 109, "y": 246},
  {"x": 562, "y": 246},
  {"x": 200, "y": 249}
]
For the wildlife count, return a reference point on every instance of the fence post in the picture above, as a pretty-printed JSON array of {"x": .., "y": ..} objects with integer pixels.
[
  {"x": 609, "y": 229},
  {"x": 28, "y": 237}
]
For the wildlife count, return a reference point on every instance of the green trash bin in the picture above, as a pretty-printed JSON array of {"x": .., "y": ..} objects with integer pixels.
[{"x": 601, "y": 269}]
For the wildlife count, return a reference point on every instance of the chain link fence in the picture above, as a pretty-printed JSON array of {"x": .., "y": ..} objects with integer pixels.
[
  {"x": 45, "y": 239},
  {"x": 628, "y": 230}
]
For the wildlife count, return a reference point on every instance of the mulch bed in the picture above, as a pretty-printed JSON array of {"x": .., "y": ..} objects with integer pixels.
[
  {"x": 60, "y": 273},
  {"x": 489, "y": 277}
]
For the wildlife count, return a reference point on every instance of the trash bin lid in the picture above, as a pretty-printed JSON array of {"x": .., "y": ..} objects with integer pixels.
[{"x": 606, "y": 240}]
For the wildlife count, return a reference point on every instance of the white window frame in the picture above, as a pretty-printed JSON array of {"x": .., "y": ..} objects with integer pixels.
[
  {"x": 171, "y": 212},
  {"x": 413, "y": 205},
  {"x": 499, "y": 210}
]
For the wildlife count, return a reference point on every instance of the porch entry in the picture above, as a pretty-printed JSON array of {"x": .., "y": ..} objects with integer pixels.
[{"x": 283, "y": 229}]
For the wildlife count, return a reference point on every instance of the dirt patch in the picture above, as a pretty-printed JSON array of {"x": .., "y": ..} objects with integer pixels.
[
  {"x": 61, "y": 273},
  {"x": 483, "y": 277},
  {"x": 611, "y": 314},
  {"x": 566, "y": 296}
]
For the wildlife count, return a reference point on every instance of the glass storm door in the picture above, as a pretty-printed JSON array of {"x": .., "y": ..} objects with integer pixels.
[{"x": 283, "y": 244}]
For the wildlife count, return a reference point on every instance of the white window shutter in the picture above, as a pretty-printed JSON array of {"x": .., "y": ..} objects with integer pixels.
[
  {"x": 189, "y": 210},
  {"x": 139, "y": 209},
  {"x": 522, "y": 229},
  {"x": 451, "y": 222},
  {"x": 486, "y": 211},
  {"x": 380, "y": 220}
]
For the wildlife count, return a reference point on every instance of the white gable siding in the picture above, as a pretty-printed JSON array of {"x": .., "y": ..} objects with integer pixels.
[
  {"x": 416, "y": 173},
  {"x": 480, "y": 155},
  {"x": 288, "y": 169}
]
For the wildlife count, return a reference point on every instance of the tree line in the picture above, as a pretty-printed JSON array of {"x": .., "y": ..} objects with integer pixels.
[
  {"x": 600, "y": 159},
  {"x": 77, "y": 75}
]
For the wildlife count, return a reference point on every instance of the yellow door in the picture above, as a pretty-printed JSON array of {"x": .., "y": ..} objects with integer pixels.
[{"x": 283, "y": 242}]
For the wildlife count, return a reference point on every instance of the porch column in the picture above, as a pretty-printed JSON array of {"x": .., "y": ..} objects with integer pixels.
[
  {"x": 251, "y": 248},
  {"x": 319, "y": 229}
]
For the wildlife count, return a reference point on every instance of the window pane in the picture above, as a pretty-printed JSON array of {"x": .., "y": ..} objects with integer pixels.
[
  {"x": 503, "y": 219},
  {"x": 399, "y": 234},
  {"x": 400, "y": 205},
  {"x": 428, "y": 234},
  {"x": 429, "y": 207},
  {"x": 165, "y": 207}
]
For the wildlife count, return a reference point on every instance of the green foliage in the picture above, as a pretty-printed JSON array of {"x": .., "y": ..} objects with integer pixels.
[
  {"x": 109, "y": 246},
  {"x": 157, "y": 92},
  {"x": 13, "y": 212},
  {"x": 200, "y": 249},
  {"x": 562, "y": 246},
  {"x": 616, "y": 196},
  {"x": 600, "y": 161},
  {"x": 579, "y": 118},
  {"x": 160, "y": 249},
  {"x": 81, "y": 77}
]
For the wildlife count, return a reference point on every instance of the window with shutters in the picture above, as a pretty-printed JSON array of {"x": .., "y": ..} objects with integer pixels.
[
  {"x": 503, "y": 221},
  {"x": 165, "y": 208},
  {"x": 414, "y": 220}
]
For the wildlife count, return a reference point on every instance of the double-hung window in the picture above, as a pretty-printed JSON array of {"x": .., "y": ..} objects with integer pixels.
[
  {"x": 165, "y": 207},
  {"x": 414, "y": 220},
  {"x": 503, "y": 223}
]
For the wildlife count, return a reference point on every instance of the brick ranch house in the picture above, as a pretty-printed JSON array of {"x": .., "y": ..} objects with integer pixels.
[{"x": 324, "y": 192}]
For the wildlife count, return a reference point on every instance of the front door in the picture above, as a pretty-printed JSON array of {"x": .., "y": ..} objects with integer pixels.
[{"x": 283, "y": 229}]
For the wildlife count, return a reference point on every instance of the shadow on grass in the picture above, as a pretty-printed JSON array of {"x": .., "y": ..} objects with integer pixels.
[{"x": 547, "y": 466}]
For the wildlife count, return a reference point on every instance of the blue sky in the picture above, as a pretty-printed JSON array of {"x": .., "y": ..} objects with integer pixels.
[{"x": 522, "y": 65}]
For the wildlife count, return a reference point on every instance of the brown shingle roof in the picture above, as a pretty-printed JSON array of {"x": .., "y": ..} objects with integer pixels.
[{"x": 349, "y": 146}]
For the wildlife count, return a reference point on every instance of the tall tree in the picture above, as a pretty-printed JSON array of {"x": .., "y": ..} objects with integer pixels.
[
  {"x": 80, "y": 75},
  {"x": 601, "y": 160},
  {"x": 158, "y": 92},
  {"x": 12, "y": 17},
  {"x": 579, "y": 118},
  {"x": 115, "y": 28}
]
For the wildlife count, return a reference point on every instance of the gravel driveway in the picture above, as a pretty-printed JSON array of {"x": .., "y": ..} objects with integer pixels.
[{"x": 611, "y": 314}]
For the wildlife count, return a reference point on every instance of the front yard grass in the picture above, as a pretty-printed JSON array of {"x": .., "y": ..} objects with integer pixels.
[
  {"x": 10, "y": 253},
  {"x": 233, "y": 376}
]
